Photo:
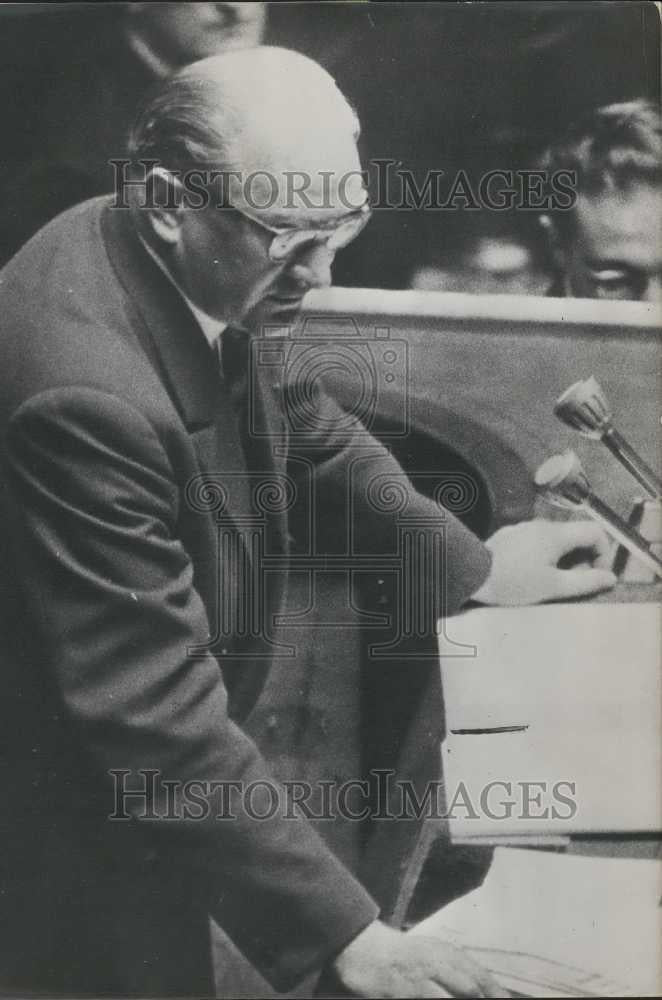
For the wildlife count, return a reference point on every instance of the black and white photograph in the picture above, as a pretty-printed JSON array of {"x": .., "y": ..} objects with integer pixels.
[{"x": 331, "y": 500}]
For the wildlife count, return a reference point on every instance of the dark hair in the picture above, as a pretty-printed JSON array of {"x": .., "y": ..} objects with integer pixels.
[{"x": 611, "y": 148}]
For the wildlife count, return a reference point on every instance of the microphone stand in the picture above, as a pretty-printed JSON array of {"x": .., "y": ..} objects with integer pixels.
[
  {"x": 562, "y": 480},
  {"x": 584, "y": 407}
]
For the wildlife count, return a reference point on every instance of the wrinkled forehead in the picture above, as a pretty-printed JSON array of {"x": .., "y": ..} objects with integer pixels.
[{"x": 302, "y": 171}]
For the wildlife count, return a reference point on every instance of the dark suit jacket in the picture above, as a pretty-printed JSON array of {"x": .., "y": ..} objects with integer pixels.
[{"x": 115, "y": 657}]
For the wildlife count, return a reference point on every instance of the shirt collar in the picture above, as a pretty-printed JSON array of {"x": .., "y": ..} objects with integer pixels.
[{"x": 212, "y": 328}]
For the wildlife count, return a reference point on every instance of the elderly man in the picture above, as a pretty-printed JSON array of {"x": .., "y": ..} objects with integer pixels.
[
  {"x": 120, "y": 432},
  {"x": 609, "y": 246}
]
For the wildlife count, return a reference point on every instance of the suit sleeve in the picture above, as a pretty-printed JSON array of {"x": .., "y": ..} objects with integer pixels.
[
  {"x": 111, "y": 591},
  {"x": 354, "y": 475}
]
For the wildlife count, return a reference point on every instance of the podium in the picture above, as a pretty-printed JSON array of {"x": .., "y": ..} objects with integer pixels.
[{"x": 554, "y": 715}]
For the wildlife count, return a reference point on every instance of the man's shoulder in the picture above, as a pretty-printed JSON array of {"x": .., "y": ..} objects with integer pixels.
[
  {"x": 70, "y": 232},
  {"x": 65, "y": 319},
  {"x": 60, "y": 283},
  {"x": 64, "y": 254}
]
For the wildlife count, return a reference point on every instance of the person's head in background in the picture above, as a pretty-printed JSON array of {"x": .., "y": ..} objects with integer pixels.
[
  {"x": 171, "y": 35},
  {"x": 609, "y": 245},
  {"x": 484, "y": 254}
]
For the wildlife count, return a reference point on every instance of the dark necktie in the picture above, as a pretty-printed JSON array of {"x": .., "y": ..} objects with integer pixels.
[{"x": 233, "y": 348}]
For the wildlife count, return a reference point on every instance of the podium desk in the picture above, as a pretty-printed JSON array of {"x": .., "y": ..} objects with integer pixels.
[
  {"x": 554, "y": 720},
  {"x": 438, "y": 374}
]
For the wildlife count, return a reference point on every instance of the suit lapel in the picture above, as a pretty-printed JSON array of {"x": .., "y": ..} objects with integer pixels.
[
  {"x": 230, "y": 455},
  {"x": 223, "y": 438},
  {"x": 167, "y": 328}
]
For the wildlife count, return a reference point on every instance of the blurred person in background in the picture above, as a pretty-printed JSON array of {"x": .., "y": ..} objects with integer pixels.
[
  {"x": 170, "y": 35},
  {"x": 484, "y": 257},
  {"x": 493, "y": 86},
  {"x": 609, "y": 245},
  {"x": 72, "y": 106}
]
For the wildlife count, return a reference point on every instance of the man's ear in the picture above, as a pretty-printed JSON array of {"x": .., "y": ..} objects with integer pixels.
[
  {"x": 554, "y": 243},
  {"x": 165, "y": 204}
]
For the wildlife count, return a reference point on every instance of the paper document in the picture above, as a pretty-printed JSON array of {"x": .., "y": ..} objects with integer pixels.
[
  {"x": 546, "y": 695},
  {"x": 553, "y": 925}
]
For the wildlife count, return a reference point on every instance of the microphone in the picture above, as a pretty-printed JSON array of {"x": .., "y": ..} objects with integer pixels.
[
  {"x": 562, "y": 481},
  {"x": 584, "y": 408}
]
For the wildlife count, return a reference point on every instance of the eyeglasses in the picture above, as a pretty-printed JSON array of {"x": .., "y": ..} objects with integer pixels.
[{"x": 288, "y": 241}]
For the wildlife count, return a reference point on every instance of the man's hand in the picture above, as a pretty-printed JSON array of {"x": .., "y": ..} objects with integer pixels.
[
  {"x": 525, "y": 561},
  {"x": 383, "y": 962}
]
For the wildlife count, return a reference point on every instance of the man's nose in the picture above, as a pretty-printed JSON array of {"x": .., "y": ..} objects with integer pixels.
[
  {"x": 313, "y": 269},
  {"x": 653, "y": 292}
]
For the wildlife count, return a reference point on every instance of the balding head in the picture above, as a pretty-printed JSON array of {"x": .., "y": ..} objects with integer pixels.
[
  {"x": 271, "y": 145},
  {"x": 269, "y": 115}
]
